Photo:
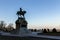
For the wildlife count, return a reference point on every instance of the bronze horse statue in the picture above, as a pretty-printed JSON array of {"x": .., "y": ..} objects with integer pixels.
[{"x": 21, "y": 12}]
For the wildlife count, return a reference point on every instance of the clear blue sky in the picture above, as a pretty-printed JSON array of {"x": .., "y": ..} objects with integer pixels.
[{"x": 39, "y": 12}]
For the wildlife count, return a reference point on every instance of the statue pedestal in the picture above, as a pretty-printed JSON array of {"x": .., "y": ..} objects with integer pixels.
[
  {"x": 24, "y": 31},
  {"x": 21, "y": 25}
]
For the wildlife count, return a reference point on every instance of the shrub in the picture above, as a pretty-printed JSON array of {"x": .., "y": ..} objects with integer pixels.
[
  {"x": 44, "y": 31},
  {"x": 48, "y": 30},
  {"x": 54, "y": 30},
  {"x": 35, "y": 30}
]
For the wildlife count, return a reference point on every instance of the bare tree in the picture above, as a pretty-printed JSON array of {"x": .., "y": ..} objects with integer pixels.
[
  {"x": 2, "y": 24},
  {"x": 10, "y": 27}
]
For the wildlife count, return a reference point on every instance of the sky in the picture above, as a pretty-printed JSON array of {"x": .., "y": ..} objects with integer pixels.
[{"x": 40, "y": 13}]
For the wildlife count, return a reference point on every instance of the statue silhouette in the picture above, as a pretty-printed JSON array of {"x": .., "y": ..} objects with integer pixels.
[{"x": 21, "y": 12}]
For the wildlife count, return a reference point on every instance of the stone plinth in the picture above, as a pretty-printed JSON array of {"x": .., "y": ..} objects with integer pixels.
[{"x": 21, "y": 22}]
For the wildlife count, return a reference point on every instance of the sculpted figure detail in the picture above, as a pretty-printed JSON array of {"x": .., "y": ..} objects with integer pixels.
[{"x": 21, "y": 12}]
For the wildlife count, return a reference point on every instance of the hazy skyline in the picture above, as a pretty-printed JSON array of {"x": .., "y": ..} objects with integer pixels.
[{"x": 39, "y": 12}]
